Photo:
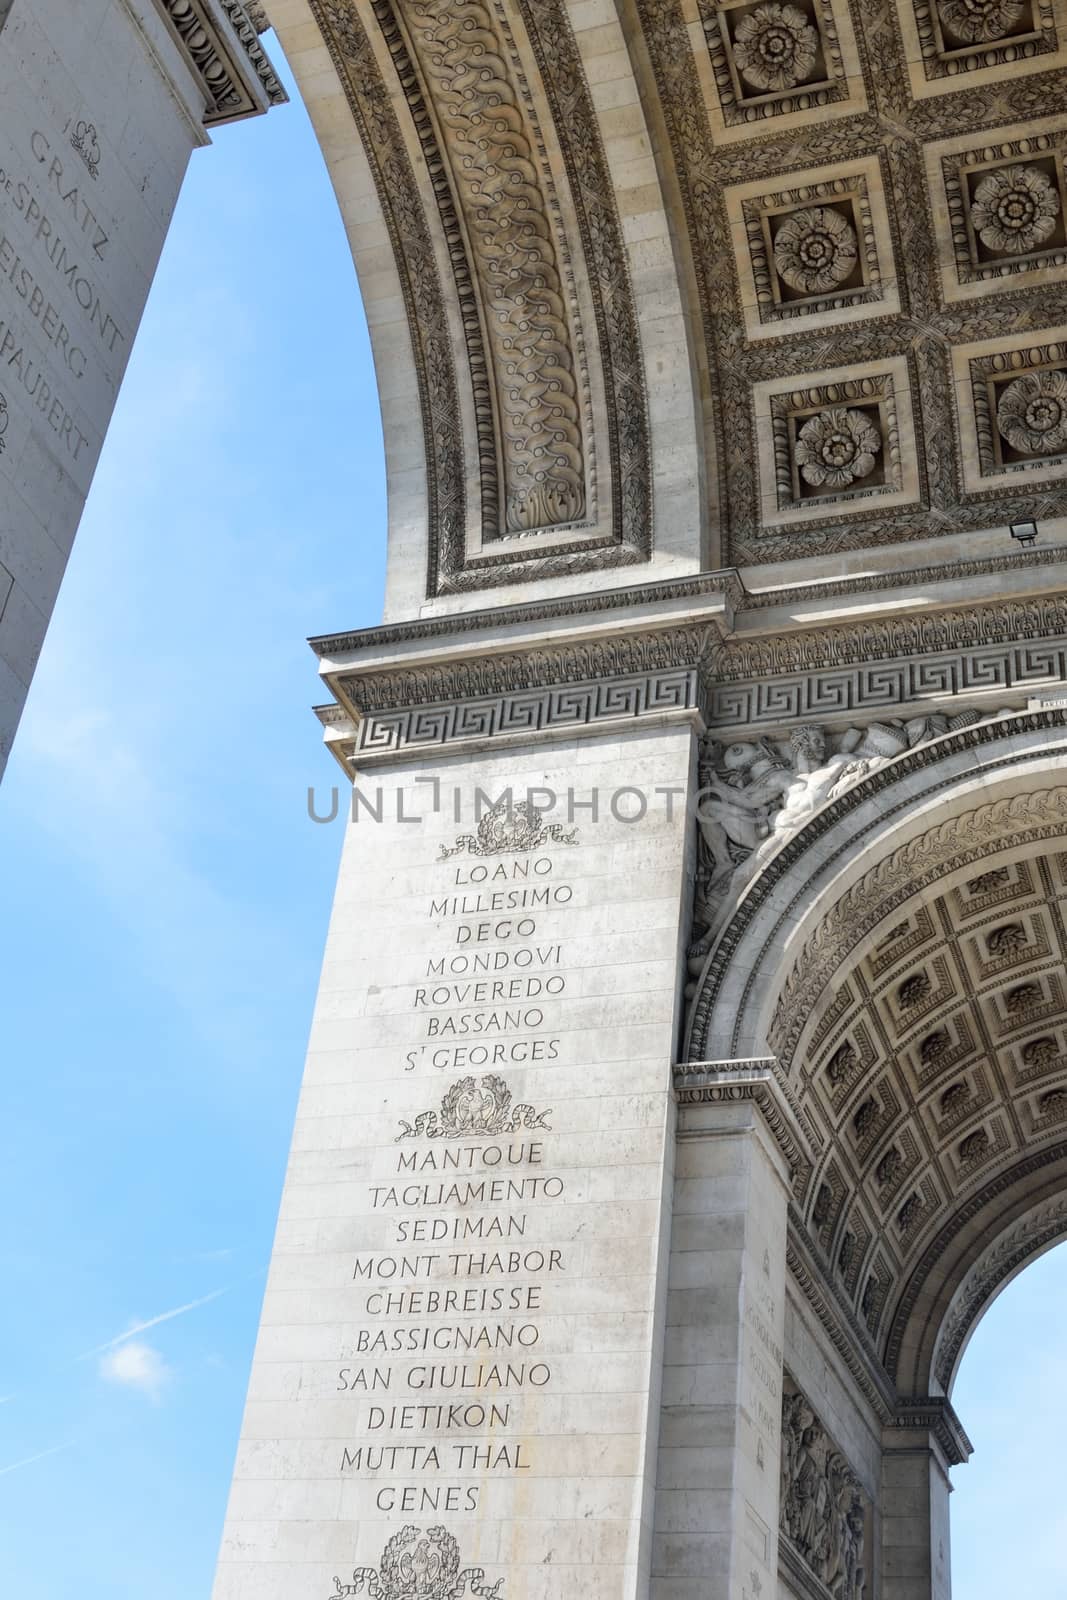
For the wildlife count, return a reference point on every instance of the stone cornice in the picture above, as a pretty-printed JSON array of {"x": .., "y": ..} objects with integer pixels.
[
  {"x": 436, "y": 683},
  {"x": 845, "y": 1332},
  {"x": 933, "y": 1414},
  {"x": 699, "y": 1083},
  {"x": 220, "y": 39}
]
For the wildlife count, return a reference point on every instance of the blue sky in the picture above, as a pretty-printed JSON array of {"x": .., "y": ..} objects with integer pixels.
[{"x": 165, "y": 905}]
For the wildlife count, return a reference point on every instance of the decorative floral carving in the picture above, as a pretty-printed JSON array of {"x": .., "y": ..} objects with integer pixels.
[
  {"x": 84, "y": 139},
  {"x": 890, "y": 1166},
  {"x": 775, "y": 48},
  {"x": 1032, "y": 413},
  {"x": 986, "y": 882},
  {"x": 823, "y": 1509},
  {"x": 419, "y": 1564},
  {"x": 815, "y": 250},
  {"x": 506, "y": 828},
  {"x": 1054, "y": 1104},
  {"x": 1006, "y": 939},
  {"x": 909, "y": 1213},
  {"x": 843, "y": 1061},
  {"x": 470, "y": 1108},
  {"x": 1024, "y": 997},
  {"x": 974, "y": 1146},
  {"x": 913, "y": 989},
  {"x": 490, "y": 142},
  {"x": 865, "y": 1117},
  {"x": 933, "y": 1047},
  {"x": 1041, "y": 1053},
  {"x": 954, "y": 1098},
  {"x": 837, "y": 448},
  {"x": 1014, "y": 209},
  {"x": 979, "y": 21}
]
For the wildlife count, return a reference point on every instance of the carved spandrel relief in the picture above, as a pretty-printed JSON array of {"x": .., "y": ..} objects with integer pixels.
[
  {"x": 825, "y": 1514},
  {"x": 756, "y": 794}
]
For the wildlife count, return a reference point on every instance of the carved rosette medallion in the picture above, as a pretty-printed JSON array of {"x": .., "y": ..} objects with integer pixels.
[
  {"x": 815, "y": 250},
  {"x": 837, "y": 448},
  {"x": 1032, "y": 413},
  {"x": 968, "y": 22},
  {"x": 1014, "y": 210},
  {"x": 775, "y": 48}
]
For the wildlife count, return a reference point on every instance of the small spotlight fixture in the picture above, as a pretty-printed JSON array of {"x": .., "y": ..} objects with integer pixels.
[{"x": 1025, "y": 532}]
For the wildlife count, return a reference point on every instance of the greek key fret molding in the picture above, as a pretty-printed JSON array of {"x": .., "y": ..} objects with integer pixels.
[
  {"x": 779, "y": 702},
  {"x": 543, "y": 508},
  {"x": 579, "y": 705},
  {"x": 234, "y": 69}
]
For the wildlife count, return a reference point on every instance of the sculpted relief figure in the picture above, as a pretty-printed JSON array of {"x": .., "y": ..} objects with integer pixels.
[
  {"x": 756, "y": 794},
  {"x": 823, "y": 1513}
]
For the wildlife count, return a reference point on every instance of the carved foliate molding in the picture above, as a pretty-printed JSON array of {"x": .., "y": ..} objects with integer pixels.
[
  {"x": 483, "y": 148},
  {"x": 234, "y": 69},
  {"x": 1027, "y": 1238}
]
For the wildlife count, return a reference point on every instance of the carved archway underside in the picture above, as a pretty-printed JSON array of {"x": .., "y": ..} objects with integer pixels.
[{"x": 918, "y": 1030}]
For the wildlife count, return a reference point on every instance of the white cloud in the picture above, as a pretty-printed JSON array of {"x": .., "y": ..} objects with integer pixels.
[{"x": 138, "y": 1366}]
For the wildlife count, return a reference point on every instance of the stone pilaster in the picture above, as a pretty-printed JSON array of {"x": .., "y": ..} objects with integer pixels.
[
  {"x": 717, "y": 1504},
  {"x": 923, "y": 1441}
]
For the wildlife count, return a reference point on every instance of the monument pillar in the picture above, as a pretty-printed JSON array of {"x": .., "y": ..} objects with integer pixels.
[
  {"x": 460, "y": 1349},
  {"x": 102, "y": 102},
  {"x": 924, "y": 1441},
  {"x": 718, "y": 1500}
]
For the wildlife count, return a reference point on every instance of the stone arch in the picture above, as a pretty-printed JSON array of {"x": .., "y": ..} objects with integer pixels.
[
  {"x": 942, "y": 790},
  {"x": 510, "y": 233},
  {"x": 896, "y": 968},
  {"x": 891, "y": 985}
]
